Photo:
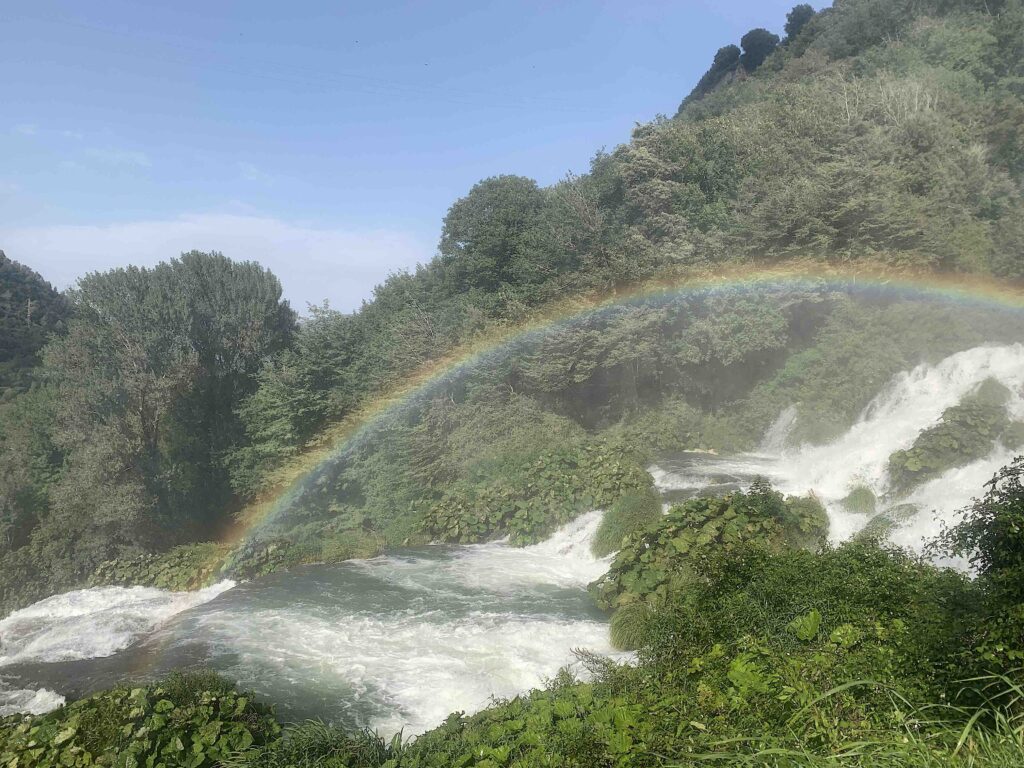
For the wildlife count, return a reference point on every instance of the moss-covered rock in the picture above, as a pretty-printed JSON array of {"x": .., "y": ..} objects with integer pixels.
[
  {"x": 966, "y": 432},
  {"x": 860, "y": 501}
]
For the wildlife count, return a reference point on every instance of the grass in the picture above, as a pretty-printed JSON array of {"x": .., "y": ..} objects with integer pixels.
[{"x": 632, "y": 512}]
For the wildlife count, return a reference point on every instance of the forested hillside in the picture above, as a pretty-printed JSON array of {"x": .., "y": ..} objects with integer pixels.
[{"x": 878, "y": 134}]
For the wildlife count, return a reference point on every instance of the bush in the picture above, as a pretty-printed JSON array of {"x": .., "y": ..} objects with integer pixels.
[
  {"x": 631, "y": 512},
  {"x": 659, "y": 560},
  {"x": 189, "y": 720},
  {"x": 991, "y": 534},
  {"x": 757, "y": 636},
  {"x": 315, "y": 745},
  {"x": 534, "y": 495}
]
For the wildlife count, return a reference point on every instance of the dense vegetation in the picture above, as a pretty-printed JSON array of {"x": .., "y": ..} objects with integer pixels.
[{"x": 30, "y": 311}]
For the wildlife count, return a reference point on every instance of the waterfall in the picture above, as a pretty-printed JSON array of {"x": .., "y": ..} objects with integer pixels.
[{"x": 910, "y": 403}]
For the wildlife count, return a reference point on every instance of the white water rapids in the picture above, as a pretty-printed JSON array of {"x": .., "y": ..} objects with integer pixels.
[
  {"x": 399, "y": 642},
  {"x": 395, "y": 642}
]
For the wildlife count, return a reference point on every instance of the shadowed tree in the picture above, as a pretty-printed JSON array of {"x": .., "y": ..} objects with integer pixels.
[
  {"x": 758, "y": 45},
  {"x": 797, "y": 19}
]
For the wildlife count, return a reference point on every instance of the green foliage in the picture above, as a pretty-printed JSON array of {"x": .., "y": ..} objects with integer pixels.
[
  {"x": 660, "y": 559},
  {"x": 756, "y": 638},
  {"x": 631, "y": 512},
  {"x": 726, "y": 60},
  {"x": 966, "y": 432},
  {"x": 30, "y": 312},
  {"x": 758, "y": 45},
  {"x": 186, "y": 567},
  {"x": 628, "y": 628},
  {"x": 188, "y": 720},
  {"x": 315, "y": 745},
  {"x": 487, "y": 239},
  {"x": 991, "y": 535},
  {"x": 797, "y": 19},
  {"x": 121, "y": 453},
  {"x": 533, "y": 495},
  {"x": 861, "y": 501}
]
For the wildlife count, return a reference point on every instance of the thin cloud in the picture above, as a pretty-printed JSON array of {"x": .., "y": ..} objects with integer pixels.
[
  {"x": 26, "y": 129},
  {"x": 8, "y": 187},
  {"x": 313, "y": 264},
  {"x": 250, "y": 172},
  {"x": 120, "y": 157}
]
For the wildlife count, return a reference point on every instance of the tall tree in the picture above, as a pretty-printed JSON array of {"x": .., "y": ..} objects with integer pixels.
[
  {"x": 758, "y": 45},
  {"x": 486, "y": 234},
  {"x": 150, "y": 374},
  {"x": 797, "y": 19},
  {"x": 30, "y": 311}
]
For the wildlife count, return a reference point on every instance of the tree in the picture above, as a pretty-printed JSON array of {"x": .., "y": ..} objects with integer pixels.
[
  {"x": 30, "y": 311},
  {"x": 487, "y": 234},
  {"x": 150, "y": 376},
  {"x": 727, "y": 58},
  {"x": 758, "y": 45},
  {"x": 797, "y": 19}
]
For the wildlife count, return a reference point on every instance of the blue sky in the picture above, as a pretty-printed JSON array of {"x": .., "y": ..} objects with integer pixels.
[{"x": 323, "y": 139}]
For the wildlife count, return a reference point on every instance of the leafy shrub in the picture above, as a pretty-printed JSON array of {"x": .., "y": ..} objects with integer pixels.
[
  {"x": 991, "y": 534},
  {"x": 757, "y": 637},
  {"x": 629, "y": 625},
  {"x": 535, "y": 496},
  {"x": 659, "y": 560},
  {"x": 188, "y": 720},
  {"x": 631, "y": 512},
  {"x": 186, "y": 567}
]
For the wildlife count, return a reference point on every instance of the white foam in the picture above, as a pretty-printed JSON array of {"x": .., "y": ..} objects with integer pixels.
[
  {"x": 91, "y": 623},
  {"x": 32, "y": 702},
  {"x": 414, "y": 668}
]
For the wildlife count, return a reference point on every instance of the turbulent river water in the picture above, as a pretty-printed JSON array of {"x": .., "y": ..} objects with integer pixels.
[
  {"x": 393, "y": 642},
  {"x": 398, "y": 642}
]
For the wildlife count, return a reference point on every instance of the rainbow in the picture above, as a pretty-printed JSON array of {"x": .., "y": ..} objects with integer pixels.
[{"x": 288, "y": 482}]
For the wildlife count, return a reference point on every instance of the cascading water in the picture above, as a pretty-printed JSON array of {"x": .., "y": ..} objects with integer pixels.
[
  {"x": 395, "y": 642},
  {"x": 910, "y": 404}
]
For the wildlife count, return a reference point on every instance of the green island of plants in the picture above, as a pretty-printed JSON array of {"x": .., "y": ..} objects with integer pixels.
[
  {"x": 535, "y": 496},
  {"x": 186, "y": 567},
  {"x": 660, "y": 559},
  {"x": 966, "y": 432}
]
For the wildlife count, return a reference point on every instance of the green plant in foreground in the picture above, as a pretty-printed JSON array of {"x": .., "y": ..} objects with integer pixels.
[
  {"x": 657, "y": 560},
  {"x": 189, "y": 720}
]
